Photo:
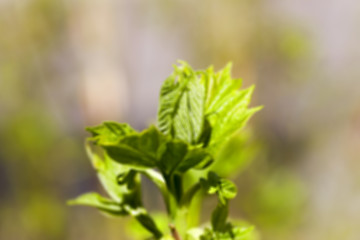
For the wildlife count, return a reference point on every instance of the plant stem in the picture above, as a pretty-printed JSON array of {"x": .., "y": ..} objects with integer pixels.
[
  {"x": 174, "y": 192},
  {"x": 174, "y": 232}
]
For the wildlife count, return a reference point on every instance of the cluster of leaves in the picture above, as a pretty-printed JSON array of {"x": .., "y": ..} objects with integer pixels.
[{"x": 198, "y": 112}]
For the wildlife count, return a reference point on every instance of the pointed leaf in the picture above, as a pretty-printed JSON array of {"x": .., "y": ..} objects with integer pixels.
[
  {"x": 99, "y": 202},
  {"x": 226, "y": 108}
]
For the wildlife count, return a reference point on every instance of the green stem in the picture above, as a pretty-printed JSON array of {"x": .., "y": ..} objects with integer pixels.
[
  {"x": 189, "y": 195},
  {"x": 174, "y": 185},
  {"x": 172, "y": 199},
  {"x": 178, "y": 223}
]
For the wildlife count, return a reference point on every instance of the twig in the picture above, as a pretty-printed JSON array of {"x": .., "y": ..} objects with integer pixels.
[{"x": 174, "y": 232}]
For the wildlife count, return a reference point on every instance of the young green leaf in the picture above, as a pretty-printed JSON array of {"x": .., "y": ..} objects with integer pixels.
[
  {"x": 181, "y": 109},
  {"x": 219, "y": 217},
  {"x": 219, "y": 86},
  {"x": 107, "y": 172},
  {"x": 232, "y": 233},
  {"x": 180, "y": 157},
  {"x": 203, "y": 106},
  {"x": 226, "y": 107},
  {"x": 225, "y": 189},
  {"x": 196, "y": 158},
  {"x": 109, "y": 132},
  {"x": 146, "y": 221},
  {"x": 123, "y": 186},
  {"x": 243, "y": 233},
  {"x": 152, "y": 149},
  {"x": 139, "y": 150},
  {"x": 95, "y": 200}
]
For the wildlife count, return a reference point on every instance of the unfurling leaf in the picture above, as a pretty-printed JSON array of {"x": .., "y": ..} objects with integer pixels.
[
  {"x": 224, "y": 188},
  {"x": 226, "y": 106},
  {"x": 181, "y": 107},
  {"x": 203, "y": 106}
]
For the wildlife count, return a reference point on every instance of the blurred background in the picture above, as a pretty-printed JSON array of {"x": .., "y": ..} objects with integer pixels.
[{"x": 66, "y": 64}]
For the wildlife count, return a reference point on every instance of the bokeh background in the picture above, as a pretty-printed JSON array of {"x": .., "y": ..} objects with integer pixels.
[{"x": 66, "y": 64}]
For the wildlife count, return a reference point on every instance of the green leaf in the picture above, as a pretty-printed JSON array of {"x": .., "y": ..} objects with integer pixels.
[
  {"x": 214, "y": 83},
  {"x": 203, "y": 107},
  {"x": 138, "y": 150},
  {"x": 196, "y": 158},
  {"x": 243, "y": 233},
  {"x": 95, "y": 200},
  {"x": 120, "y": 182},
  {"x": 225, "y": 189},
  {"x": 133, "y": 229},
  {"x": 174, "y": 153},
  {"x": 224, "y": 88},
  {"x": 147, "y": 222},
  {"x": 148, "y": 142},
  {"x": 144, "y": 219},
  {"x": 109, "y": 132},
  {"x": 181, "y": 109},
  {"x": 219, "y": 216},
  {"x": 129, "y": 179},
  {"x": 226, "y": 108},
  {"x": 130, "y": 156},
  {"x": 170, "y": 96},
  {"x": 180, "y": 157},
  {"x": 123, "y": 185},
  {"x": 231, "y": 233},
  {"x": 108, "y": 172},
  {"x": 151, "y": 148},
  {"x": 205, "y": 136}
]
